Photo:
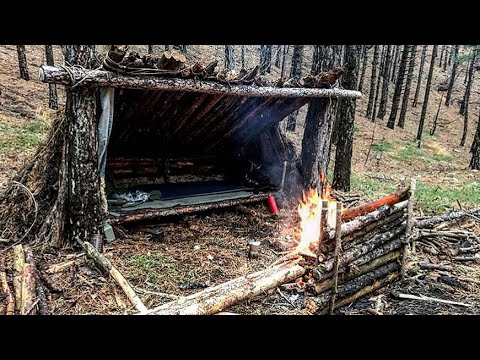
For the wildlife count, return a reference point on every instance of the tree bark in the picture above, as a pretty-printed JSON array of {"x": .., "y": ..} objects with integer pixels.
[
  {"x": 397, "y": 94},
  {"x": 408, "y": 85},
  {"x": 385, "y": 83},
  {"x": 82, "y": 191},
  {"x": 364, "y": 67},
  {"x": 420, "y": 73},
  {"x": 278, "y": 54},
  {"x": 316, "y": 141},
  {"x": 453, "y": 75},
  {"x": 442, "y": 52},
  {"x": 448, "y": 49},
  {"x": 284, "y": 57},
  {"x": 52, "y": 88},
  {"x": 100, "y": 78},
  {"x": 242, "y": 56},
  {"x": 229, "y": 58},
  {"x": 217, "y": 298},
  {"x": 466, "y": 98},
  {"x": 22, "y": 62},
  {"x": 395, "y": 62},
  {"x": 265, "y": 59},
  {"x": 150, "y": 49},
  {"x": 475, "y": 149},
  {"x": 377, "y": 92},
  {"x": 295, "y": 73},
  {"x": 427, "y": 95},
  {"x": 344, "y": 148},
  {"x": 373, "y": 80}
]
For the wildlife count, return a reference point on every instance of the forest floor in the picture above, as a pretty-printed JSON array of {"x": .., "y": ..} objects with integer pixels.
[{"x": 211, "y": 247}]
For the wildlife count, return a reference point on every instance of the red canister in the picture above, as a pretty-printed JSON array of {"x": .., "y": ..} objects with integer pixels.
[{"x": 272, "y": 205}]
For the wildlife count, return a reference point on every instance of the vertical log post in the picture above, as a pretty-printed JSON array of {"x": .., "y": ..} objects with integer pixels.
[
  {"x": 323, "y": 229},
  {"x": 338, "y": 245},
  {"x": 410, "y": 223}
]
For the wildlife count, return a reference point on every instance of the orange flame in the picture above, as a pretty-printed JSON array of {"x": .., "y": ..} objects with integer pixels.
[{"x": 310, "y": 210}]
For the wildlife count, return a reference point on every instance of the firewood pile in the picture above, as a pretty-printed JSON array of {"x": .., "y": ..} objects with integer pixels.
[{"x": 175, "y": 64}]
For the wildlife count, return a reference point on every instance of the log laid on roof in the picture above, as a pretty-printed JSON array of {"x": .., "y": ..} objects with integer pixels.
[{"x": 77, "y": 75}]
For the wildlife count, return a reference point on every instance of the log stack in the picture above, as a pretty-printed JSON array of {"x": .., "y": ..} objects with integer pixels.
[{"x": 372, "y": 248}]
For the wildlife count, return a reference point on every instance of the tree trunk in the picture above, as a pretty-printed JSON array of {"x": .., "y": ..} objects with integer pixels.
[
  {"x": 150, "y": 49},
  {"x": 397, "y": 50},
  {"x": 265, "y": 59},
  {"x": 442, "y": 52},
  {"x": 453, "y": 75},
  {"x": 373, "y": 80},
  {"x": 427, "y": 95},
  {"x": 316, "y": 141},
  {"x": 316, "y": 61},
  {"x": 52, "y": 88},
  {"x": 22, "y": 62},
  {"x": 448, "y": 49},
  {"x": 475, "y": 150},
  {"x": 278, "y": 53},
  {"x": 82, "y": 191},
  {"x": 284, "y": 56},
  {"x": 343, "y": 158},
  {"x": 364, "y": 67},
  {"x": 385, "y": 82},
  {"x": 296, "y": 73},
  {"x": 242, "y": 56},
  {"x": 380, "y": 74},
  {"x": 420, "y": 73},
  {"x": 408, "y": 85},
  {"x": 229, "y": 59},
  {"x": 167, "y": 47},
  {"x": 466, "y": 98},
  {"x": 397, "y": 94},
  {"x": 450, "y": 56}
]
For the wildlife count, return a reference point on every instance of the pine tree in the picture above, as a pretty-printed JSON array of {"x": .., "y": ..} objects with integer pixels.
[
  {"x": 427, "y": 94},
  {"x": 420, "y": 73},
  {"x": 229, "y": 58},
  {"x": 408, "y": 85},
  {"x": 52, "y": 88},
  {"x": 346, "y": 112},
  {"x": 364, "y": 67},
  {"x": 475, "y": 149},
  {"x": 453, "y": 75},
  {"x": 398, "y": 86},
  {"x": 295, "y": 72},
  {"x": 385, "y": 83},
  {"x": 466, "y": 98},
  {"x": 22, "y": 62},
  {"x": 373, "y": 80}
]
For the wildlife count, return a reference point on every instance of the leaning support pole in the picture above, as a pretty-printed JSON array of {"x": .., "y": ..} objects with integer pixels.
[
  {"x": 338, "y": 245},
  {"x": 217, "y": 298},
  {"x": 107, "y": 266}
]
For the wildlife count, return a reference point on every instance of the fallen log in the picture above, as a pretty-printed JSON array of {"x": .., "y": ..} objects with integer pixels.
[
  {"x": 425, "y": 265},
  {"x": 29, "y": 290},
  {"x": 369, "y": 207},
  {"x": 55, "y": 268},
  {"x": 39, "y": 295},
  {"x": 107, "y": 266},
  {"x": 18, "y": 263},
  {"x": 217, "y": 298},
  {"x": 357, "y": 251},
  {"x": 435, "y": 220},
  {"x": 7, "y": 292}
]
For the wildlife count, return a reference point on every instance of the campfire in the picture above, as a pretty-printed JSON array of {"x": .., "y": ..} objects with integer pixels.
[{"x": 310, "y": 211}]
